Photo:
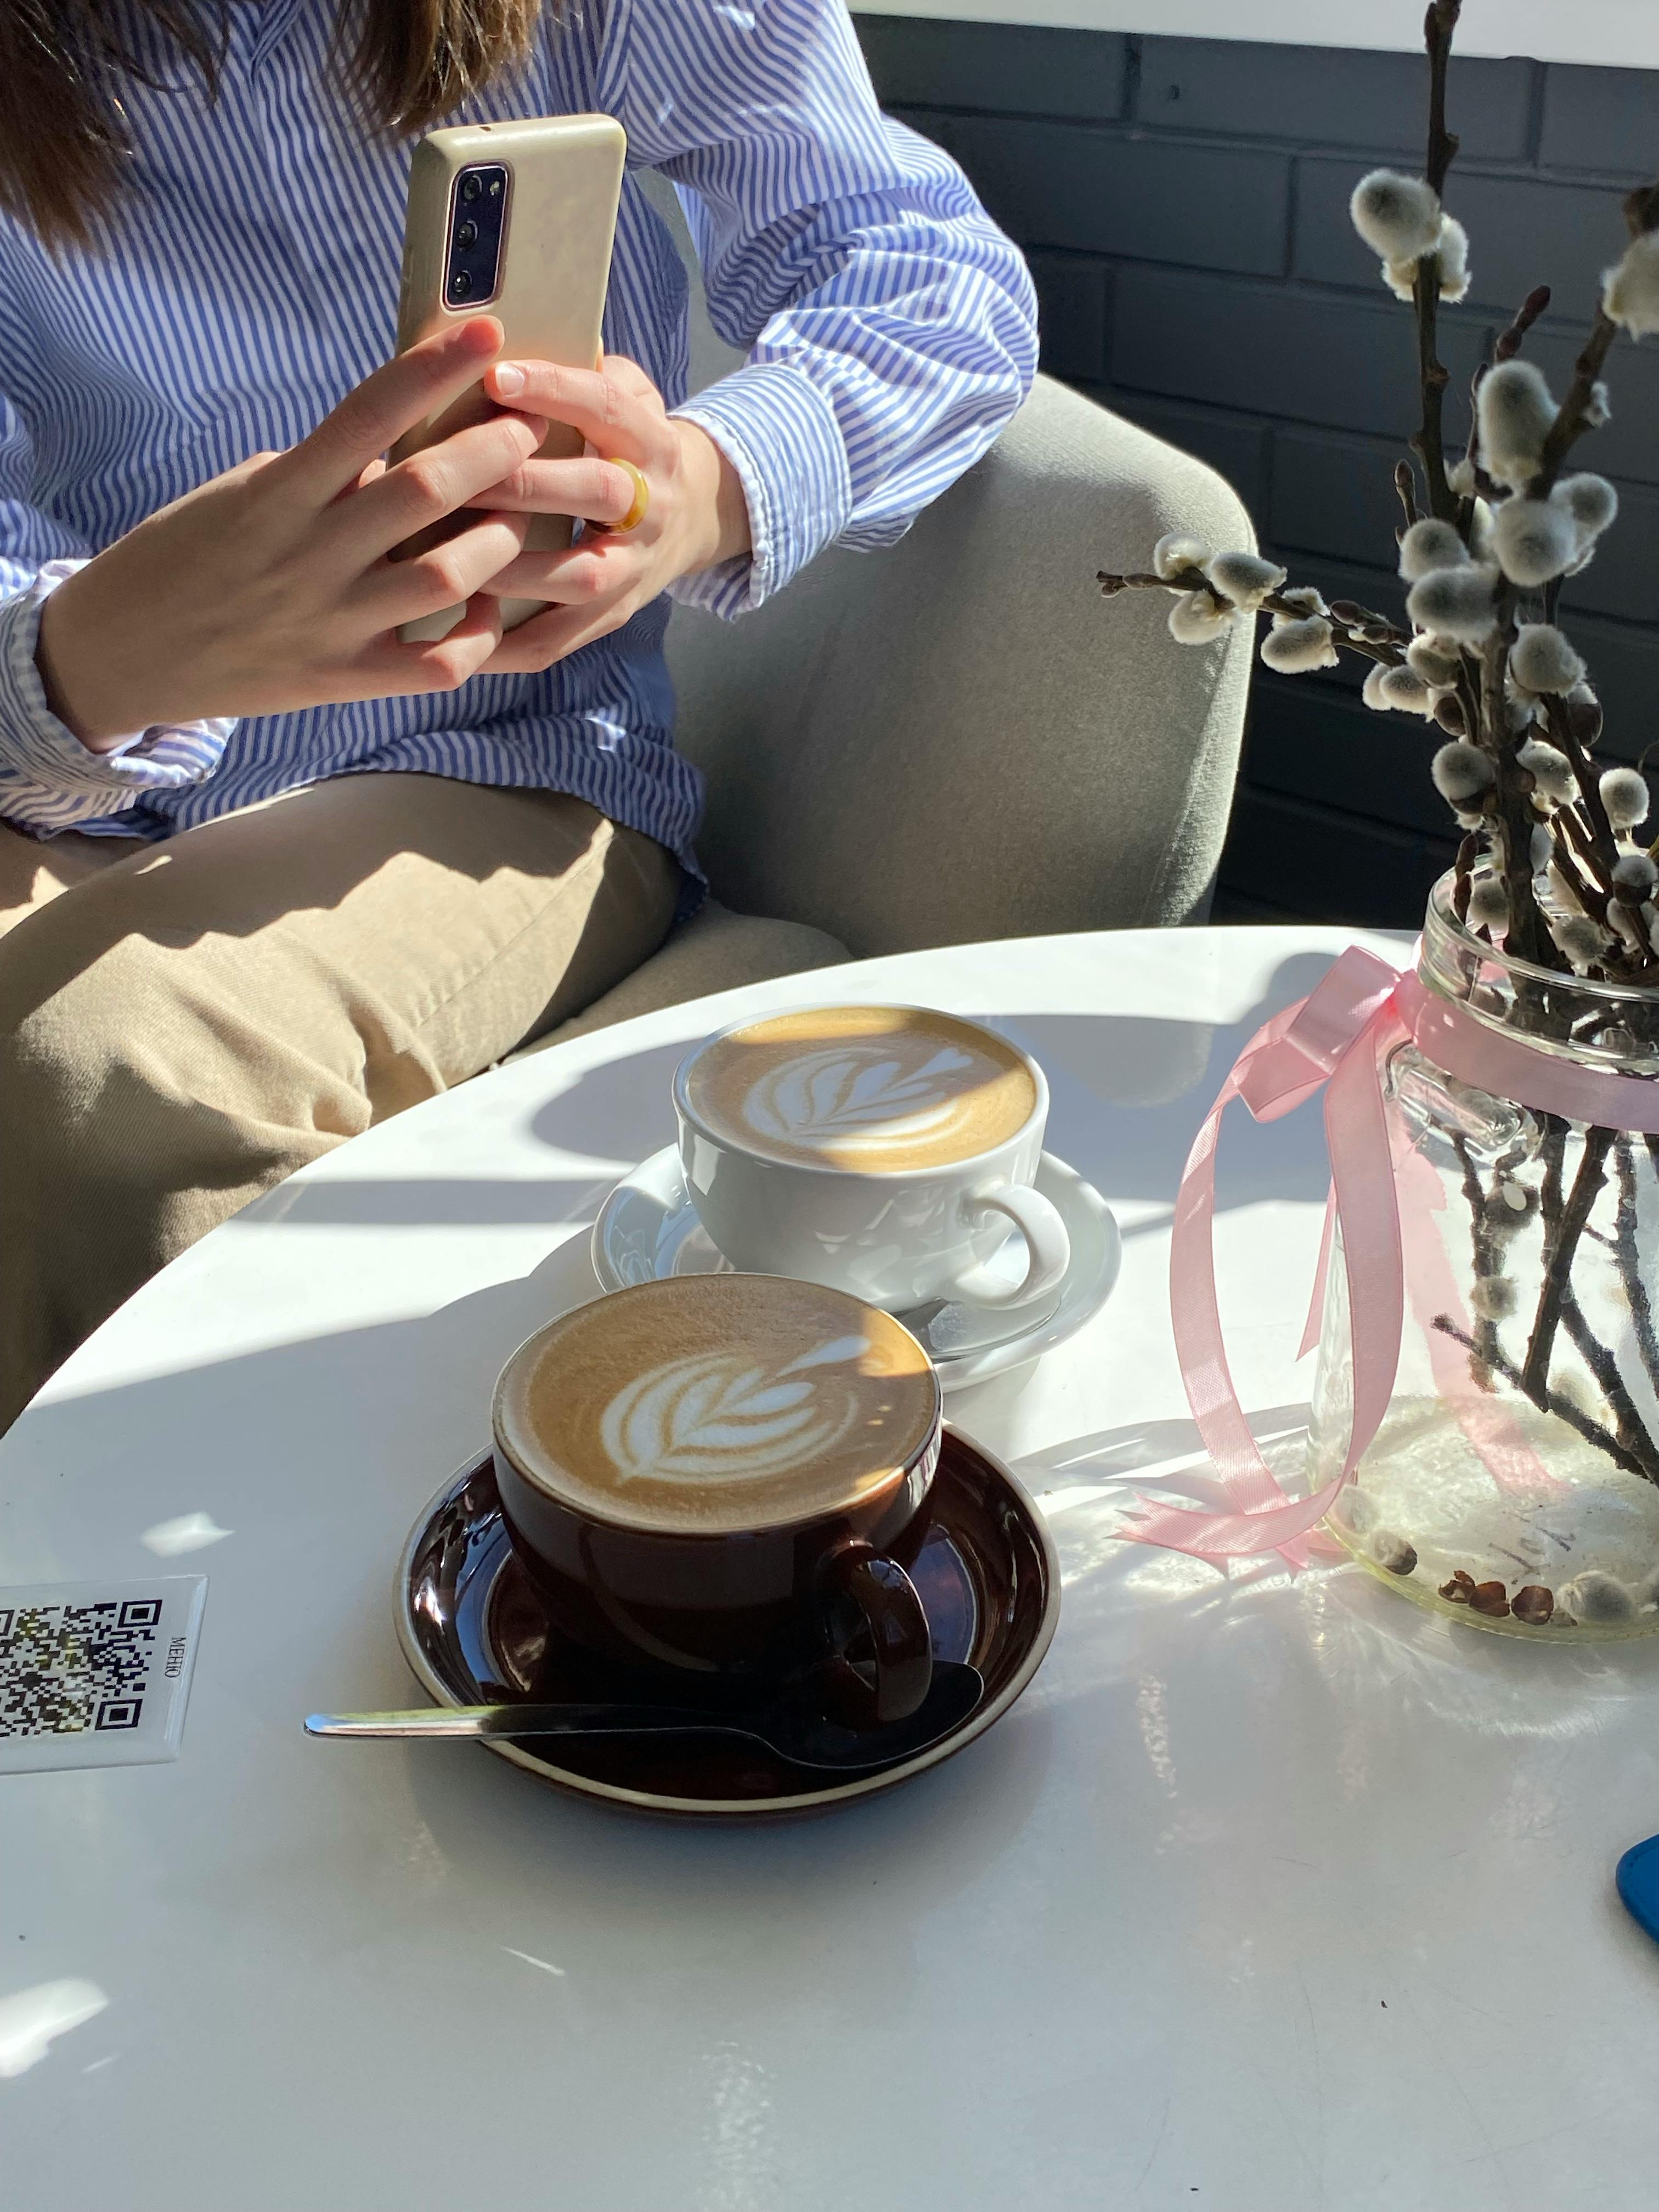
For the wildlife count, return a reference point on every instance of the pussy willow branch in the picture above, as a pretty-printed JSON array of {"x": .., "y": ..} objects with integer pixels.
[
  {"x": 1641, "y": 211},
  {"x": 1463, "y": 874},
  {"x": 1632, "y": 1431},
  {"x": 1438, "y": 25},
  {"x": 1565, "y": 1220},
  {"x": 1429, "y": 444},
  {"x": 1568, "y": 732},
  {"x": 1573, "y": 726},
  {"x": 1511, "y": 340},
  {"x": 1509, "y": 344},
  {"x": 1535, "y": 1366},
  {"x": 1550, "y": 1403},
  {"x": 1558, "y": 1307},
  {"x": 1627, "y": 1252},
  {"x": 1577, "y": 865},
  {"x": 1526, "y": 936},
  {"x": 1573, "y": 419},
  {"x": 1487, "y": 1260},
  {"x": 1390, "y": 649}
]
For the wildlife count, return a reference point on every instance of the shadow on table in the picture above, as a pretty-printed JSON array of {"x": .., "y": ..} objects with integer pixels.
[
  {"x": 1087, "y": 1484},
  {"x": 581, "y": 1115},
  {"x": 1366, "y": 1630},
  {"x": 585, "y": 1113},
  {"x": 1128, "y": 1093},
  {"x": 399, "y": 1202},
  {"x": 1114, "y": 1078}
]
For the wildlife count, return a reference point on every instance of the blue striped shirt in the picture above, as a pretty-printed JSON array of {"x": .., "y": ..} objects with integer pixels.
[{"x": 888, "y": 327}]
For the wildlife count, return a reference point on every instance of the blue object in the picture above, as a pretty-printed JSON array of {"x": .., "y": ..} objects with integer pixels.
[{"x": 1638, "y": 1885}]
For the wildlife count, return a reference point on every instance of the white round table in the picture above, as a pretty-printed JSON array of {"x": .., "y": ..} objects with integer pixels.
[{"x": 1271, "y": 1893}]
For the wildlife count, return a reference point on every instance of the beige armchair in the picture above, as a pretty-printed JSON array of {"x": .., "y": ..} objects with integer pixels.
[{"x": 955, "y": 739}]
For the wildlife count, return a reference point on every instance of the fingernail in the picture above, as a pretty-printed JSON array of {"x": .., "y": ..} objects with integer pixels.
[{"x": 508, "y": 380}]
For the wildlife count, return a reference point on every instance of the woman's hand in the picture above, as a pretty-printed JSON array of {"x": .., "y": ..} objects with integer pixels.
[
  {"x": 271, "y": 588},
  {"x": 696, "y": 515}
]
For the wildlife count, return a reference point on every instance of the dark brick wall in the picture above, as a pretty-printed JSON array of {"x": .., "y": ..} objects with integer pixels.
[{"x": 1183, "y": 202}]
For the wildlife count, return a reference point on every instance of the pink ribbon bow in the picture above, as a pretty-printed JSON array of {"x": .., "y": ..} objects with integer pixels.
[{"x": 1337, "y": 1038}]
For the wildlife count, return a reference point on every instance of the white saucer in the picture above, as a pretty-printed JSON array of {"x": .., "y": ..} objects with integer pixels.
[{"x": 648, "y": 1229}]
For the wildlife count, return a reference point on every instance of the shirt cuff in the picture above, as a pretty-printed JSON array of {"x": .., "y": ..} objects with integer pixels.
[
  {"x": 781, "y": 436},
  {"x": 48, "y": 779}
]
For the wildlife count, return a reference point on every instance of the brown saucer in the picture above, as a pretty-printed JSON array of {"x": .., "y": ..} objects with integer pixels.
[{"x": 474, "y": 1632}]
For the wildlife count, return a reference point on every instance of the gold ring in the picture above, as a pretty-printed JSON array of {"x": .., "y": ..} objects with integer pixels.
[{"x": 636, "y": 513}]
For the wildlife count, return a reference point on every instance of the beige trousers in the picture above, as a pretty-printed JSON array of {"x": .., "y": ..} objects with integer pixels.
[{"x": 183, "y": 1025}]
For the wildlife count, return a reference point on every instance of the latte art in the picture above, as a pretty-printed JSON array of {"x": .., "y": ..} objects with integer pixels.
[
  {"x": 712, "y": 1403},
  {"x": 861, "y": 1098},
  {"x": 876, "y": 1088},
  {"x": 721, "y": 1417}
]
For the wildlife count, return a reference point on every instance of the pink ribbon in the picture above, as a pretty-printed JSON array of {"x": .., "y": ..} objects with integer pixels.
[{"x": 1338, "y": 1039}]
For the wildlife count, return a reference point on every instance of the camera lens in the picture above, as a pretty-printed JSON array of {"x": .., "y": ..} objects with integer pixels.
[
  {"x": 466, "y": 235},
  {"x": 471, "y": 188},
  {"x": 460, "y": 285}
]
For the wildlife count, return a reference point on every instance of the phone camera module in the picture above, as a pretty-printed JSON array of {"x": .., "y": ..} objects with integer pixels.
[{"x": 478, "y": 220}]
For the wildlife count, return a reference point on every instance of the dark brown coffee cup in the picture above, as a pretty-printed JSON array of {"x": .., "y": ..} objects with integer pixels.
[{"x": 726, "y": 1477}]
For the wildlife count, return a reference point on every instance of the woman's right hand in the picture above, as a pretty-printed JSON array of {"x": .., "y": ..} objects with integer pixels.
[{"x": 270, "y": 588}]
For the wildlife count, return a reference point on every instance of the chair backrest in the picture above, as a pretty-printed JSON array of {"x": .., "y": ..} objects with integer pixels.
[{"x": 955, "y": 739}]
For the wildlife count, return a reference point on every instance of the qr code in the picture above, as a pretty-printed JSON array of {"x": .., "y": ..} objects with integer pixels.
[
  {"x": 65, "y": 1668},
  {"x": 93, "y": 1677}
]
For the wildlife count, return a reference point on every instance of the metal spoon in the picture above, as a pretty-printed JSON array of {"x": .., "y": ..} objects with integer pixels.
[
  {"x": 790, "y": 1727},
  {"x": 948, "y": 1330}
]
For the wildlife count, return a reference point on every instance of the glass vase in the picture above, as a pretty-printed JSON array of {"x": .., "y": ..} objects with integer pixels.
[{"x": 1514, "y": 1483}]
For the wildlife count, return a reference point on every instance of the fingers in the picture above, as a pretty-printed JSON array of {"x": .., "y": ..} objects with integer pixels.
[
  {"x": 594, "y": 489},
  {"x": 390, "y": 667},
  {"x": 373, "y": 416},
  {"x": 617, "y": 410},
  {"x": 579, "y": 578},
  {"x": 544, "y": 639},
  {"x": 433, "y": 483},
  {"x": 394, "y": 592}
]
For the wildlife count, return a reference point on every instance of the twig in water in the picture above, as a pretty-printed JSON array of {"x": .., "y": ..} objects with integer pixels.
[
  {"x": 1632, "y": 1431},
  {"x": 1487, "y": 1258},
  {"x": 1627, "y": 1251},
  {"x": 1550, "y": 1402},
  {"x": 1535, "y": 1367}
]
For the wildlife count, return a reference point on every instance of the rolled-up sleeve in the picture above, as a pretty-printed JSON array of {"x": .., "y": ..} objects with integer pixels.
[
  {"x": 890, "y": 326},
  {"x": 49, "y": 781}
]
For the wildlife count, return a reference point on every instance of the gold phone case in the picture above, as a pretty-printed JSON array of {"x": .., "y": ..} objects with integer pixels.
[{"x": 563, "y": 185}]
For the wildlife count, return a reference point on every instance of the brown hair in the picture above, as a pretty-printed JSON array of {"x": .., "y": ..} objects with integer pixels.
[{"x": 63, "y": 62}]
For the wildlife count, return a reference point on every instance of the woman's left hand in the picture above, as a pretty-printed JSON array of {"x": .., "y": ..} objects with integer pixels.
[{"x": 696, "y": 514}]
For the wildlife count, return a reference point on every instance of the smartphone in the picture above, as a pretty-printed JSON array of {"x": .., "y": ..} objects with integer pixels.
[{"x": 518, "y": 219}]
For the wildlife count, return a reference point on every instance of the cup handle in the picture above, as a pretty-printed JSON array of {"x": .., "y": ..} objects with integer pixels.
[
  {"x": 878, "y": 1591},
  {"x": 1046, "y": 1244}
]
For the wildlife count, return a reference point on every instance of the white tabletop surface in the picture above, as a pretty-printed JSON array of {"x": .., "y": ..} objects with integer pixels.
[{"x": 1270, "y": 1894}]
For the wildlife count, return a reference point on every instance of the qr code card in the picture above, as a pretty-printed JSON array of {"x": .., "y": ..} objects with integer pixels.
[{"x": 96, "y": 1673}]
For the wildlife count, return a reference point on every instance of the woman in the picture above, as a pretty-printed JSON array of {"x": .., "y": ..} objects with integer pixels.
[{"x": 267, "y": 873}]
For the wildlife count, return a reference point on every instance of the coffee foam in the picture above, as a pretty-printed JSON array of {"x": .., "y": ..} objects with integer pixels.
[
  {"x": 876, "y": 1088},
  {"x": 704, "y": 1404}
]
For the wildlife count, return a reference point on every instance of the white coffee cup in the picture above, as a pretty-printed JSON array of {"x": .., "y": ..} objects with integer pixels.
[{"x": 832, "y": 1165}]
